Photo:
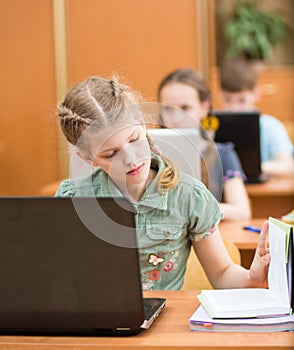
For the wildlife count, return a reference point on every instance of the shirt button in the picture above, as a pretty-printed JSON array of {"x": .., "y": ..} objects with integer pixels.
[{"x": 167, "y": 233}]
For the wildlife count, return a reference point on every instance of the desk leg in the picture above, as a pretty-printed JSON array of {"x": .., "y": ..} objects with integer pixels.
[{"x": 246, "y": 257}]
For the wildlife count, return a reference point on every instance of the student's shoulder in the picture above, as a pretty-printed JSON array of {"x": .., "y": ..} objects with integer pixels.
[
  {"x": 269, "y": 121},
  {"x": 270, "y": 126},
  {"x": 193, "y": 194},
  {"x": 78, "y": 187},
  {"x": 189, "y": 183},
  {"x": 65, "y": 189}
]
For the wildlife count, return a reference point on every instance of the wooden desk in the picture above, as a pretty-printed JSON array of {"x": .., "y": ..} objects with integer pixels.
[
  {"x": 246, "y": 241},
  {"x": 274, "y": 197},
  {"x": 170, "y": 331}
]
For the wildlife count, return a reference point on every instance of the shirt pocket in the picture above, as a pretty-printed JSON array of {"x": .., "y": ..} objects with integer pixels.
[{"x": 168, "y": 232}]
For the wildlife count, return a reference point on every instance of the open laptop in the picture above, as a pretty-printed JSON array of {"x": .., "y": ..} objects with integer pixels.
[
  {"x": 242, "y": 128},
  {"x": 59, "y": 277},
  {"x": 180, "y": 145}
]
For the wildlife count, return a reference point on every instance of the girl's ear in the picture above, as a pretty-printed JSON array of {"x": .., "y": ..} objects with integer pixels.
[
  {"x": 84, "y": 156},
  {"x": 205, "y": 108}
]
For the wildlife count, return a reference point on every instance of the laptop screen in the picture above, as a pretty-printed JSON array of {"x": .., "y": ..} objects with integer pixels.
[
  {"x": 242, "y": 129},
  {"x": 58, "y": 275},
  {"x": 180, "y": 145}
]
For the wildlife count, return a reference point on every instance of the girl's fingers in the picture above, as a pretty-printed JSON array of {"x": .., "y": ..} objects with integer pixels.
[{"x": 262, "y": 241}]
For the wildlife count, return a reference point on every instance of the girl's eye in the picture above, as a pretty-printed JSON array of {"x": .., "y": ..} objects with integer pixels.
[
  {"x": 167, "y": 108},
  {"x": 110, "y": 155},
  {"x": 135, "y": 139},
  {"x": 185, "y": 108}
]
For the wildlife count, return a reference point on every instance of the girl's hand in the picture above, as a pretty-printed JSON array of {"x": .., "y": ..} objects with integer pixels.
[{"x": 258, "y": 272}]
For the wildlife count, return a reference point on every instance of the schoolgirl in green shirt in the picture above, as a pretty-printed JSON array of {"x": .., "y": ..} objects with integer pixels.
[{"x": 103, "y": 120}]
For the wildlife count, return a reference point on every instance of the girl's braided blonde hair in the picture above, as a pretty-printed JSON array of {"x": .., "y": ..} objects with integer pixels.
[{"x": 100, "y": 103}]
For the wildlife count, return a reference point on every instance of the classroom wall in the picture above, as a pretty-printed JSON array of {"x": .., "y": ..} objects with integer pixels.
[
  {"x": 27, "y": 99},
  {"x": 140, "y": 40}
]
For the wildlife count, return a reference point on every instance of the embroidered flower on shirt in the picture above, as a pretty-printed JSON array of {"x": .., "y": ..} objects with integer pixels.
[
  {"x": 168, "y": 266},
  {"x": 154, "y": 275},
  {"x": 212, "y": 229},
  {"x": 155, "y": 260},
  {"x": 147, "y": 284}
]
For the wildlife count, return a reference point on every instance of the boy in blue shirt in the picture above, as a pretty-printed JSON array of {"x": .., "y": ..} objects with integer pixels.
[{"x": 238, "y": 82}]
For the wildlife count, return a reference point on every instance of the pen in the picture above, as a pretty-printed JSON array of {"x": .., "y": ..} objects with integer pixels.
[{"x": 252, "y": 228}]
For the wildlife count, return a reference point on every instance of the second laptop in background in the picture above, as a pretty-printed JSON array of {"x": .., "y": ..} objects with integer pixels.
[
  {"x": 242, "y": 129},
  {"x": 180, "y": 145}
]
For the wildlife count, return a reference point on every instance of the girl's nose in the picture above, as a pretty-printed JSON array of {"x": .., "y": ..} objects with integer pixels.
[{"x": 128, "y": 155}]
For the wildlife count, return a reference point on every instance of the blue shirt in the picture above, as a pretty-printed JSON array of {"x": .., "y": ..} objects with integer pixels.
[{"x": 274, "y": 138}]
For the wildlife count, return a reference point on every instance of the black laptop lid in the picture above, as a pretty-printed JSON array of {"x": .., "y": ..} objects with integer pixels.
[
  {"x": 58, "y": 276},
  {"x": 242, "y": 128}
]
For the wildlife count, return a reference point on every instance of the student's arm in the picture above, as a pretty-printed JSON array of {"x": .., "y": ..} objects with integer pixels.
[
  {"x": 236, "y": 203},
  {"x": 282, "y": 165},
  {"x": 276, "y": 147},
  {"x": 222, "y": 272}
]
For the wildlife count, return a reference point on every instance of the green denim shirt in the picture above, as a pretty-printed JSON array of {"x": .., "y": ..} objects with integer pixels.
[{"x": 165, "y": 223}]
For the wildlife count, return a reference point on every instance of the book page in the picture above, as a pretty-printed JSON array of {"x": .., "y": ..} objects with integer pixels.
[
  {"x": 277, "y": 277},
  {"x": 240, "y": 303}
]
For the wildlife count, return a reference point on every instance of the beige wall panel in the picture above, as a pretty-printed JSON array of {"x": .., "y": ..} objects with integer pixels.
[
  {"x": 276, "y": 92},
  {"x": 27, "y": 99},
  {"x": 141, "y": 40}
]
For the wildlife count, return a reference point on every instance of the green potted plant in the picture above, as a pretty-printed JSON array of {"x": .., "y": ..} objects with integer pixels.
[{"x": 252, "y": 33}]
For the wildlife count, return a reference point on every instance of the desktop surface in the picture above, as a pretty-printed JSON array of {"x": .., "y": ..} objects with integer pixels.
[
  {"x": 245, "y": 241},
  {"x": 275, "y": 197},
  {"x": 232, "y": 230},
  {"x": 170, "y": 331}
]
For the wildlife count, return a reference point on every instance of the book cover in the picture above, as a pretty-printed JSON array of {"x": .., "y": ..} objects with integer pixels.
[{"x": 201, "y": 321}]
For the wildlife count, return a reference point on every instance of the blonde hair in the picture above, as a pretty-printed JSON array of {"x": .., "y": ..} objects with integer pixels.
[
  {"x": 169, "y": 177},
  {"x": 99, "y": 103}
]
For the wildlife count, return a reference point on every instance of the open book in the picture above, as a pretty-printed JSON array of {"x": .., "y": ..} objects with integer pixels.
[{"x": 260, "y": 302}]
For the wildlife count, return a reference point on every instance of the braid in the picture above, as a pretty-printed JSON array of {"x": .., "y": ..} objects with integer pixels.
[
  {"x": 70, "y": 121},
  {"x": 169, "y": 177},
  {"x": 116, "y": 87},
  {"x": 67, "y": 114},
  {"x": 95, "y": 103}
]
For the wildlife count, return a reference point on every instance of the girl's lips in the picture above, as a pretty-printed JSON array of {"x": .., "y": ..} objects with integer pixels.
[{"x": 136, "y": 170}]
